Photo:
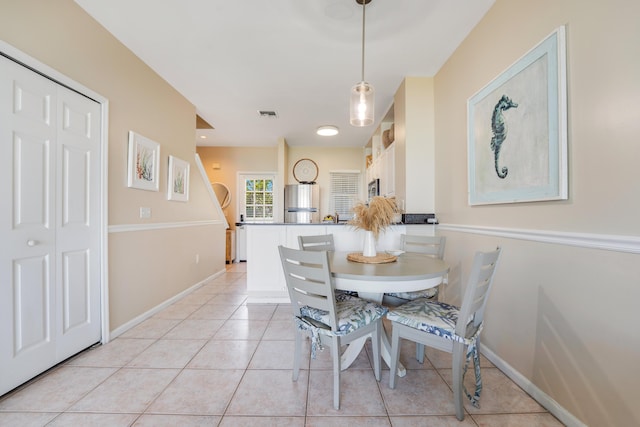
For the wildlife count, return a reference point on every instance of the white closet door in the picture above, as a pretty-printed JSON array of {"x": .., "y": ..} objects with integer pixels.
[
  {"x": 49, "y": 223},
  {"x": 77, "y": 223}
]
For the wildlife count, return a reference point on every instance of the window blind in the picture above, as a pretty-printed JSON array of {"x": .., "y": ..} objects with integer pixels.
[{"x": 344, "y": 188}]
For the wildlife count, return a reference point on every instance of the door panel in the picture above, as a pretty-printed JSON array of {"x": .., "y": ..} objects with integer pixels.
[
  {"x": 31, "y": 183},
  {"x": 78, "y": 230},
  {"x": 27, "y": 226},
  {"x": 31, "y": 296},
  {"x": 76, "y": 293},
  {"x": 50, "y": 237}
]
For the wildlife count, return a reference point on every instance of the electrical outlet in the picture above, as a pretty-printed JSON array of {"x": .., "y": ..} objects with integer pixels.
[{"x": 145, "y": 213}]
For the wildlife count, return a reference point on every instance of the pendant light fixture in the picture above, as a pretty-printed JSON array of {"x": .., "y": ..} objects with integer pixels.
[{"x": 361, "y": 104}]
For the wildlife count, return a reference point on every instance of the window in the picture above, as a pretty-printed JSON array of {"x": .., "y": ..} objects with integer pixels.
[
  {"x": 258, "y": 198},
  {"x": 344, "y": 189}
]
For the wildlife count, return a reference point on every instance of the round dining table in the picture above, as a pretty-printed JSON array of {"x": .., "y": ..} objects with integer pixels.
[{"x": 408, "y": 273}]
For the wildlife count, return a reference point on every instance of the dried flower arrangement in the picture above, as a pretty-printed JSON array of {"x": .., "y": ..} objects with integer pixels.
[{"x": 376, "y": 216}]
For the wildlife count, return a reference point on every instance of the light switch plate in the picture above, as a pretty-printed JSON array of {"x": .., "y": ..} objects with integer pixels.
[{"x": 145, "y": 212}]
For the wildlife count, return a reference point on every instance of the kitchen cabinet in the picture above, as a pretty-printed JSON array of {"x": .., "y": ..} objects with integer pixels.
[
  {"x": 383, "y": 168},
  {"x": 387, "y": 172},
  {"x": 303, "y": 230},
  {"x": 406, "y": 168},
  {"x": 231, "y": 246},
  {"x": 265, "y": 279}
]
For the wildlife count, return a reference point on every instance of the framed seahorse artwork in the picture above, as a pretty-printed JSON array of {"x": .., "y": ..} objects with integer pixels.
[{"x": 517, "y": 130}]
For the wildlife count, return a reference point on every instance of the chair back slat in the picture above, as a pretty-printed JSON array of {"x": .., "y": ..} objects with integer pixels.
[
  {"x": 323, "y": 242},
  {"x": 478, "y": 287},
  {"x": 430, "y": 245},
  {"x": 309, "y": 281}
]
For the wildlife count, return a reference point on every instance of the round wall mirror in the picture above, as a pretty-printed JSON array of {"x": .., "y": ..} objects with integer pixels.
[{"x": 222, "y": 193}]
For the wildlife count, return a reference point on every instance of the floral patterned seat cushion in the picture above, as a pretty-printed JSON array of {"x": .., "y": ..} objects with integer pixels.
[
  {"x": 352, "y": 313},
  {"x": 440, "y": 319},
  {"x": 425, "y": 293},
  {"x": 434, "y": 317}
]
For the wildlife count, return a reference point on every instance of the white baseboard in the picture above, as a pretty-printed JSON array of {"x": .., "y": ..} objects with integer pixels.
[
  {"x": 538, "y": 395},
  {"x": 144, "y": 316},
  {"x": 268, "y": 297}
]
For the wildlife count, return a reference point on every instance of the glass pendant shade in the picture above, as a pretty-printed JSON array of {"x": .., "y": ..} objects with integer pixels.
[{"x": 361, "y": 105}]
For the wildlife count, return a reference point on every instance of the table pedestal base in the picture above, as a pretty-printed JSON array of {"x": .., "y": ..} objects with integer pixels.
[{"x": 354, "y": 349}]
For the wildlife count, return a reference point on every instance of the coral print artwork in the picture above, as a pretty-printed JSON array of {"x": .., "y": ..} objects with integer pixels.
[
  {"x": 178, "y": 182},
  {"x": 143, "y": 163}
]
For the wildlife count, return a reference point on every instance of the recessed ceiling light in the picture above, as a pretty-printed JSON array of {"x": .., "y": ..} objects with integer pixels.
[
  {"x": 327, "y": 130},
  {"x": 203, "y": 137}
]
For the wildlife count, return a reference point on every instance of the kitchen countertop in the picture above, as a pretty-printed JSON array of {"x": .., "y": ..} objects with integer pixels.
[
  {"x": 290, "y": 223},
  {"x": 314, "y": 223}
]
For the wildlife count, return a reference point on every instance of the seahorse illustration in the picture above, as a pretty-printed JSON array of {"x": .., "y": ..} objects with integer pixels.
[{"x": 499, "y": 128}]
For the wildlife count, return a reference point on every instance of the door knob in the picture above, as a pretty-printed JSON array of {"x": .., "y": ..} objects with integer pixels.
[{"x": 31, "y": 242}]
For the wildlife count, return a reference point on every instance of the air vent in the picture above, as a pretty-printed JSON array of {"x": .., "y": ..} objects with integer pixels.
[{"x": 268, "y": 114}]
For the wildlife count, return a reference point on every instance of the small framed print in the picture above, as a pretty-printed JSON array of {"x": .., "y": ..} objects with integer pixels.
[
  {"x": 143, "y": 163},
  {"x": 178, "y": 185}
]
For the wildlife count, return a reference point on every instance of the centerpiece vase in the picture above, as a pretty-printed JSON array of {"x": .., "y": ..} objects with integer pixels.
[{"x": 369, "y": 249}]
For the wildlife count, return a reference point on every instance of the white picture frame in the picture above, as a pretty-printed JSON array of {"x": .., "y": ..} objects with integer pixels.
[
  {"x": 143, "y": 168},
  {"x": 178, "y": 179},
  {"x": 522, "y": 114}
]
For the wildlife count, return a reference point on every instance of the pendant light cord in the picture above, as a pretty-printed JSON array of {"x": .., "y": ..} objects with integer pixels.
[{"x": 364, "y": 2}]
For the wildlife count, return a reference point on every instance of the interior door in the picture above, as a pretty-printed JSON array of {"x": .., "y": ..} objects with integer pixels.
[
  {"x": 77, "y": 223},
  {"x": 49, "y": 223}
]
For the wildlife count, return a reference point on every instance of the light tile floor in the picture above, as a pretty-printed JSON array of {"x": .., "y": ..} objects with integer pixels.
[{"x": 211, "y": 360}]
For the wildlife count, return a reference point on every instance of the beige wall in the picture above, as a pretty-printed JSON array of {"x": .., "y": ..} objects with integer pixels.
[
  {"x": 561, "y": 310},
  {"x": 233, "y": 160},
  {"x": 244, "y": 159},
  {"x": 328, "y": 160},
  {"x": 558, "y": 310},
  {"x": 142, "y": 262}
]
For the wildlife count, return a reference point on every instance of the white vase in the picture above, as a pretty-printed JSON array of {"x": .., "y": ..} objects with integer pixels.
[{"x": 369, "y": 249}]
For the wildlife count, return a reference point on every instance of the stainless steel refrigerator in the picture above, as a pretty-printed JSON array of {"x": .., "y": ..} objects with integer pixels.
[{"x": 302, "y": 203}]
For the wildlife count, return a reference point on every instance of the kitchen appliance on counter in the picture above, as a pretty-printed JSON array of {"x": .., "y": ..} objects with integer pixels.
[
  {"x": 301, "y": 203},
  {"x": 373, "y": 189},
  {"x": 419, "y": 218}
]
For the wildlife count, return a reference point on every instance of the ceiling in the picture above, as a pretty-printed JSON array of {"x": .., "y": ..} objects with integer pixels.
[{"x": 298, "y": 58}]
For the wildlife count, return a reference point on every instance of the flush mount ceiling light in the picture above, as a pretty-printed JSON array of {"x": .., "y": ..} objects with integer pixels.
[
  {"x": 268, "y": 114},
  {"x": 327, "y": 130},
  {"x": 361, "y": 104}
]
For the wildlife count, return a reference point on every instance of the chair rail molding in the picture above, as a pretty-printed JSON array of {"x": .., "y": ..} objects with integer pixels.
[
  {"x": 618, "y": 243},
  {"x": 124, "y": 228}
]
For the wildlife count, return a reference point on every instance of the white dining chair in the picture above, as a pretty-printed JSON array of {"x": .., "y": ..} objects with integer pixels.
[
  {"x": 322, "y": 242},
  {"x": 331, "y": 320},
  {"x": 449, "y": 328},
  {"x": 429, "y": 245}
]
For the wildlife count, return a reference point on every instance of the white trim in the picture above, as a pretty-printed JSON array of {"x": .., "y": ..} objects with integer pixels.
[
  {"x": 538, "y": 395},
  {"x": 48, "y": 72},
  {"x": 212, "y": 194},
  {"x": 144, "y": 316},
  {"x": 125, "y": 228},
  {"x": 104, "y": 264},
  {"x": 240, "y": 200},
  {"x": 618, "y": 243},
  {"x": 268, "y": 297}
]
